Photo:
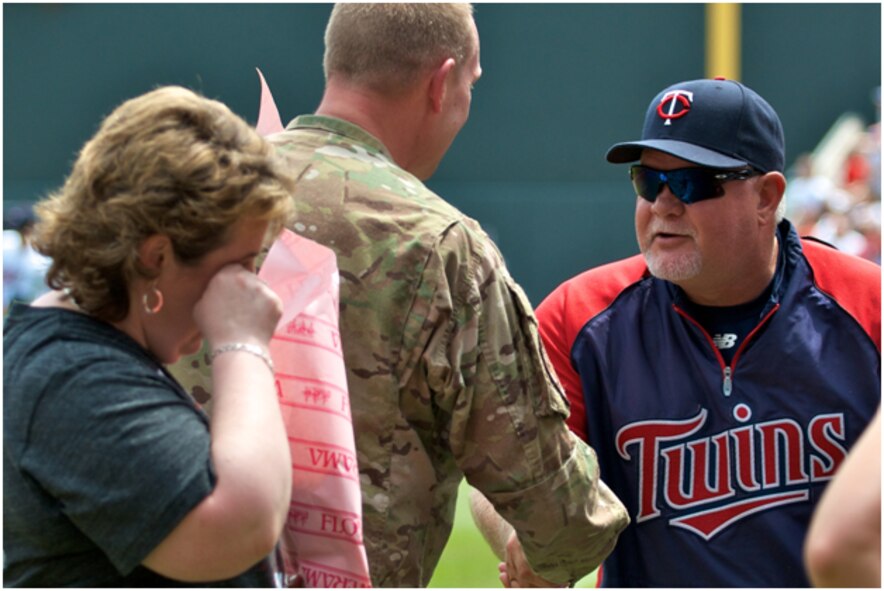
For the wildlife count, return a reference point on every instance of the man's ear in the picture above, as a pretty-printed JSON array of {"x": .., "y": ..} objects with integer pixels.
[
  {"x": 437, "y": 84},
  {"x": 773, "y": 187},
  {"x": 153, "y": 253}
]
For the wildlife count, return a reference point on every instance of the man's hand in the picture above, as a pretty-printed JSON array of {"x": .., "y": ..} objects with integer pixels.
[{"x": 516, "y": 572}]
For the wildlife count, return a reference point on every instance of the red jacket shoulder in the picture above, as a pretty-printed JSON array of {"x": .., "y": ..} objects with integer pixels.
[
  {"x": 582, "y": 297},
  {"x": 853, "y": 282},
  {"x": 567, "y": 309}
]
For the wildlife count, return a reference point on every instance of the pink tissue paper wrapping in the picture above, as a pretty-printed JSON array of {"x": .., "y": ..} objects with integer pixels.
[{"x": 322, "y": 539}]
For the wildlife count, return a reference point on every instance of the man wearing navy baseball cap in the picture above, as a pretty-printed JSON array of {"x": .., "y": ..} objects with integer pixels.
[
  {"x": 722, "y": 374},
  {"x": 711, "y": 123}
]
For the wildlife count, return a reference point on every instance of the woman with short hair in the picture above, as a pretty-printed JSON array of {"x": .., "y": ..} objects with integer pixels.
[{"x": 111, "y": 475}]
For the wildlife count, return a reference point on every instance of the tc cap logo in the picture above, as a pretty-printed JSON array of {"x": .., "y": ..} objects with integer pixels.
[{"x": 675, "y": 104}]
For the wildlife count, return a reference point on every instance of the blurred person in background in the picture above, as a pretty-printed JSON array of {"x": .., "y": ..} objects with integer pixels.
[
  {"x": 856, "y": 168},
  {"x": 111, "y": 474},
  {"x": 836, "y": 227},
  {"x": 808, "y": 194},
  {"x": 24, "y": 268},
  {"x": 874, "y": 146}
]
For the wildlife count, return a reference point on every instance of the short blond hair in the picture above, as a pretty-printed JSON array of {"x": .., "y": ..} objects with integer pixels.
[
  {"x": 168, "y": 162},
  {"x": 386, "y": 46}
]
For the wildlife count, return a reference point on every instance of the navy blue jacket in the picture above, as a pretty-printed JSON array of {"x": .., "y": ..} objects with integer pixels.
[{"x": 719, "y": 466}]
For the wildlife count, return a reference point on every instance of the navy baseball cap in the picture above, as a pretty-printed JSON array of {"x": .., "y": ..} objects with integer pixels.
[{"x": 715, "y": 123}]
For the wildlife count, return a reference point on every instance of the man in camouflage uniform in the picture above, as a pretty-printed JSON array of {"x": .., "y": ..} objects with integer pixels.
[{"x": 445, "y": 368}]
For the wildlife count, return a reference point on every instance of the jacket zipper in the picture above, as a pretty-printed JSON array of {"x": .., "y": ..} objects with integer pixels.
[{"x": 727, "y": 371}]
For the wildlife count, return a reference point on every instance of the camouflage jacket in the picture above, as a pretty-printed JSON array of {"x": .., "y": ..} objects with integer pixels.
[{"x": 446, "y": 373}]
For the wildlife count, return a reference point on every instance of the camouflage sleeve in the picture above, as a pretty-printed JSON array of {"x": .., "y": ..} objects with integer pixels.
[
  {"x": 507, "y": 412},
  {"x": 194, "y": 373}
]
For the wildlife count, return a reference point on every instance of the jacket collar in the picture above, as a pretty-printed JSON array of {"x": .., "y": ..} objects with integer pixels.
[{"x": 341, "y": 127}]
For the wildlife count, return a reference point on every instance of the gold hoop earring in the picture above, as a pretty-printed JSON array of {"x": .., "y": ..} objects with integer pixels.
[{"x": 159, "y": 296}]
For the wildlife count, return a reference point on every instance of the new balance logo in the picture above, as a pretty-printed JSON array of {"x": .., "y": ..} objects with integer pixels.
[{"x": 725, "y": 341}]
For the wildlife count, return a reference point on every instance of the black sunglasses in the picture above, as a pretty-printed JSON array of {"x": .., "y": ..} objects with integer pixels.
[{"x": 690, "y": 185}]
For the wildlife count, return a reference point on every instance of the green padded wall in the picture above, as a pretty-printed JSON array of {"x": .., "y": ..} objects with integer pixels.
[{"x": 561, "y": 83}]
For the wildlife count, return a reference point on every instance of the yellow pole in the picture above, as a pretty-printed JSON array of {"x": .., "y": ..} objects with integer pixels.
[{"x": 723, "y": 40}]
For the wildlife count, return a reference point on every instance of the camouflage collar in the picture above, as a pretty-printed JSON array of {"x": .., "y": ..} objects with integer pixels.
[{"x": 341, "y": 127}]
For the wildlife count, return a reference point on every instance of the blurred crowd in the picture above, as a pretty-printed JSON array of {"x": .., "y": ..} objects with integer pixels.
[{"x": 844, "y": 208}]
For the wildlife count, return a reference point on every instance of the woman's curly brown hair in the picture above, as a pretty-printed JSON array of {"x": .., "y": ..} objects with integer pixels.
[{"x": 168, "y": 162}]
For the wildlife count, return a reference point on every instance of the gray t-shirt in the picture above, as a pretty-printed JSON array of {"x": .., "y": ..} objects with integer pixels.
[{"x": 104, "y": 454}]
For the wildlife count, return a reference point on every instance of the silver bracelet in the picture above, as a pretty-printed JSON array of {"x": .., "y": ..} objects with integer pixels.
[{"x": 245, "y": 347}]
